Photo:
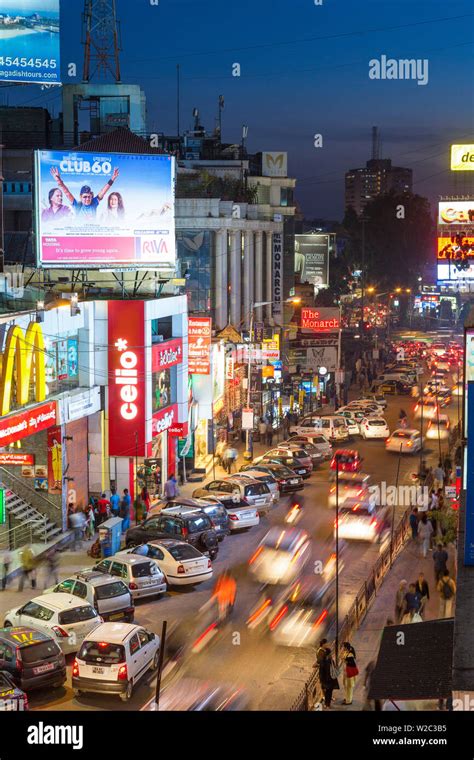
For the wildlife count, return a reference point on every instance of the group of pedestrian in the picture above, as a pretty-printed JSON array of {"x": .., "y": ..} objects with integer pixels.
[
  {"x": 329, "y": 672},
  {"x": 411, "y": 599},
  {"x": 365, "y": 371}
]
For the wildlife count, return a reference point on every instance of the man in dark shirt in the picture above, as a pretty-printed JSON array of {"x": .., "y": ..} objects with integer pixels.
[
  {"x": 88, "y": 205},
  {"x": 412, "y": 599},
  {"x": 440, "y": 559}
]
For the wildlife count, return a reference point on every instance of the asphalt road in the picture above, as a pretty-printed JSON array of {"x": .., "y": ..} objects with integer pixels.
[{"x": 271, "y": 676}]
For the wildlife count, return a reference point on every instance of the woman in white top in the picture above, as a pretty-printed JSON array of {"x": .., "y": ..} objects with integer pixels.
[{"x": 115, "y": 211}]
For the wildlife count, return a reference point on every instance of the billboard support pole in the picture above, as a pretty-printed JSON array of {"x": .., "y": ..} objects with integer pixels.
[{"x": 2, "y": 238}]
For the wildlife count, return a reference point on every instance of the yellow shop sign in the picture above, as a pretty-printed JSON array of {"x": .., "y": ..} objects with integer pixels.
[{"x": 23, "y": 361}]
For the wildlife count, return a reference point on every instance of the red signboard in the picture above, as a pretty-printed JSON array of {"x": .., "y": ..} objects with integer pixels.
[
  {"x": 165, "y": 419},
  {"x": 17, "y": 460},
  {"x": 321, "y": 320},
  {"x": 126, "y": 341},
  {"x": 18, "y": 426},
  {"x": 199, "y": 337},
  {"x": 167, "y": 354}
]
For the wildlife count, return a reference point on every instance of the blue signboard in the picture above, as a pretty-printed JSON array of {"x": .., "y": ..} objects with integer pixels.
[
  {"x": 469, "y": 526},
  {"x": 29, "y": 41}
]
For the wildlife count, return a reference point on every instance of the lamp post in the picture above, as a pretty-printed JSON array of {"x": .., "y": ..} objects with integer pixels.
[{"x": 337, "y": 561}]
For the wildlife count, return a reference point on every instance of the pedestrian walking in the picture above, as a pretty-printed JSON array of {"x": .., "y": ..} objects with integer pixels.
[
  {"x": 423, "y": 591},
  {"x": 412, "y": 603},
  {"x": 78, "y": 524},
  {"x": 6, "y": 562},
  {"x": 145, "y": 502},
  {"x": 425, "y": 531},
  {"x": 29, "y": 563},
  {"x": 400, "y": 601},
  {"x": 114, "y": 502},
  {"x": 370, "y": 704},
  {"x": 171, "y": 490},
  {"x": 52, "y": 566},
  {"x": 103, "y": 508},
  {"x": 447, "y": 593},
  {"x": 413, "y": 520},
  {"x": 125, "y": 507},
  {"x": 440, "y": 560},
  {"x": 438, "y": 474},
  {"x": 434, "y": 503},
  {"x": 262, "y": 429},
  {"x": 448, "y": 469},
  {"x": 328, "y": 677},
  {"x": 320, "y": 652},
  {"x": 90, "y": 522},
  {"x": 351, "y": 671},
  {"x": 269, "y": 433},
  {"x": 230, "y": 457},
  {"x": 219, "y": 452}
]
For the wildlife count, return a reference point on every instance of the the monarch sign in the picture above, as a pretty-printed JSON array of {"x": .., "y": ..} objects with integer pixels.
[{"x": 24, "y": 361}]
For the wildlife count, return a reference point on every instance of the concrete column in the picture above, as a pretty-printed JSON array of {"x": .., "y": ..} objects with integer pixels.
[
  {"x": 247, "y": 284},
  {"x": 269, "y": 287},
  {"x": 235, "y": 278},
  {"x": 221, "y": 283},
  {"x": 258, "y": 290}
]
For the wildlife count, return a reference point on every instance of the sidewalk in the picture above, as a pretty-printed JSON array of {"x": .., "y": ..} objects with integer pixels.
[{"x": 366, "y": 640}]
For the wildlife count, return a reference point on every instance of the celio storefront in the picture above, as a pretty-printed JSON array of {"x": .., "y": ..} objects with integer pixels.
[
  {"x": 50, "y": 408},
  {"x": 147, "y": 398}
]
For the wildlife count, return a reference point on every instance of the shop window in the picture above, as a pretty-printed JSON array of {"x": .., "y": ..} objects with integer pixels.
[{"x": 161, "y": 389}]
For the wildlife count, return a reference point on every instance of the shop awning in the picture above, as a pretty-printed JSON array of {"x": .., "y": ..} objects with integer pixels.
[{"x": 414, "y": 662}]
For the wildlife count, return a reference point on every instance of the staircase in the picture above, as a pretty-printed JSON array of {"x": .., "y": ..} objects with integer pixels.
[{"x": 30, "y": 513}]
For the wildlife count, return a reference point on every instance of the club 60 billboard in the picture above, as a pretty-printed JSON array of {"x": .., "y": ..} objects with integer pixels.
[{"x": 96, "y": 210}]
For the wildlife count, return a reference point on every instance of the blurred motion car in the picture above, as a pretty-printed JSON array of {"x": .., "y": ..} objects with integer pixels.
[
  {"x": 12, "y": 699},
  {"x": 457, "y": 389},
  {"x": 63, "y": 616},
  {"x": 349, "y": 460},
  {"x": 304, "y": 614},
  {"x": 404, "y": 441},
  {"x": 428, "y": 407},
  {"x": 196, "y": 695},
  {"x": 362, "y": 521},
  {"x": 351, "y": 485},
  {"x": 438, "y": 428},
  {"x": 280, "y": 556},
  {"x": 180, "y": 563}
]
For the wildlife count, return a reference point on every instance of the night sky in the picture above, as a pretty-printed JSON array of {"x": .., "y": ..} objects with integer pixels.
[{"x": 304, "y": 70}]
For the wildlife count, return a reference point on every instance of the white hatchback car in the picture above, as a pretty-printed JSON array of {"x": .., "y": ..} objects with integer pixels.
[
  {"x": 114, "y": 658},
  {"x": 374, "y": 427},
  {"x": 281, "y": 555},
  {"x": 438, "y": 429},
  {"x": 181, "y": 563},
  {"x": 63, "y": 616},
  {"x": 429, "y": 409},
  {"x": 404, "y": 441}
]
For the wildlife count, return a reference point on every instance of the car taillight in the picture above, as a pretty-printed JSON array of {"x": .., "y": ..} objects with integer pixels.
[
  {"x": 185, "y": 532},
  {"x": 278, "y": 618},
  {"x": 181, "y": 570},
  {"x": 75, "y": 669},
  {"x": 373, "y": 522},
  {"x": 133, "y": 586},
  {"x": 19, "y": 662},
  {"x": 209, "y": 563},
  {"x": 122, "y": 674},
  {"x": 233, "y": 517},
  {"x": 254, "y": 556},
  {"x": 60, "y": 631}
]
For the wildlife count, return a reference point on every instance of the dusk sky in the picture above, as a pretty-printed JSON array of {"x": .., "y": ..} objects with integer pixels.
[{"x": 304, "y": 70}]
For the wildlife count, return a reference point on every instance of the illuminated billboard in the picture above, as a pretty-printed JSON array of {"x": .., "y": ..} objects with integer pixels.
[
  {"x": 29, "y": 41},
  {"x": 462, "y": 158},
  {"x": 456, "y": 212},
  {"x": 104, "y": 210},
  {"x": 449, "y": 272},
  {"x": 312, "y": 259},
  {"x": 457, "y": 248},
  {"x": 323, "y": 320}
]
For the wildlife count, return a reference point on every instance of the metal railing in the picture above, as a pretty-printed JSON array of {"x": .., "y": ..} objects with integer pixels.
[
  {"x": 37, "y": 501},
  {"x": 311, "y": 692},
  {"x": 15, "y": 538}
]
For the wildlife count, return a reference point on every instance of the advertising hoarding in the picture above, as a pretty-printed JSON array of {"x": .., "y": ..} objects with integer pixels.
[
  {"x": 277, "y": 308},
  {"x": 29, "y": 41},
  {"x": 274, "y": 164},
  {"x": 166, "y": 355},
  {"x": 456, "y": 248},
  {"x": 323, "y": 320},
  {"x": 462, "y": 158},
  {"x": 199, "y": 345},
  {"x": 312, "y": 259},
  {"x": 19, "y": 426},
  {"x": 104, "y": 210},
  {"x": 311, "y": 359},
  {"x": 448, "y": 272},
  {"x": 17, "y": 460},
  {"x": 469, "y": 474},
  {"x": 456, "y": 212},
  {"x": 126, "y": 371},
  {"x": 55, "y": 460}
]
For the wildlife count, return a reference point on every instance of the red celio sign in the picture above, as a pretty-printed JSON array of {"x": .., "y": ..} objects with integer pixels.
[
  {"x": 165, "y": 419},
  {"x": 167, "y": 354},
  {"x": 126, "y": 341},
  {"x": 322, "y": 320}
]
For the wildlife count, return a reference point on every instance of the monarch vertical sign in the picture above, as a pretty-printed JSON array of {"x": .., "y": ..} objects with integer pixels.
[
  {"x": 126, "y": 377},
  {"x": 278, "y": 277}
]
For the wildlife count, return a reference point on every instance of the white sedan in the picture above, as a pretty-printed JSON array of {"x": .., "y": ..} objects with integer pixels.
[
  {"x": 68, "y": 619},
  {"x": 439, "y": 428},
  {"x": 280, "y": 556},
  {"x": 404, "y": 441},
  {"x": 374, "y": 427},
  {"x": 181, "y": 563}
]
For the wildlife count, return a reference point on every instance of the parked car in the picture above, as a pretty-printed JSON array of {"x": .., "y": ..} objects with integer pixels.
[
  {"x": 351, "y": 485},
  {"x": 301, "y": 455},
  {"x": 12, "y": 699},
  {"x": 362, "y": 521},
  {"x": 62, "y": 616},
  {"x": 287, "y": 461},
  {"x": 378, "y": 398},
  {"x": 214, "y": 510},
  {"x": 190, "y": 525},
  {"x": 404, "y": 441},
  {"x": 142, "y": 576},
  {"x": 114, "y": 658},
  {"x": 319, "y": 441},
  {"x": 374, "y": 427},
  {"x": 353, "y": 426},
  {"x": 330, "y": 426},
  {"x": 305, "y": 454},
  {"x": 263, "y": 477},
  {"x": 248, "y": 492},
  {"x": 33, "y": 659},
  {"x": 349, "y": 460},
  {"x": 438, "y": 429},
  {"x": 393, "y": 387},
  {"x": 181, "y": 563},
  {"x": 288, "y": 481},
  {"x": 108, "y": 595},
  {"x": 401, "y": 377},
  {"x": 280, "y": 556}
]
